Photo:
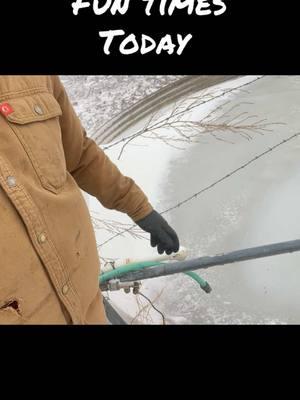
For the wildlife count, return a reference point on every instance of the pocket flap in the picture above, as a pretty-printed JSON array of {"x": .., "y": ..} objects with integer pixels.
[{"x": 33, "y": 108}]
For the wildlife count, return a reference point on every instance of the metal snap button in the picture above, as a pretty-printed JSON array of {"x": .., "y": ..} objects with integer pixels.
[
  {"x": 42, "y": 238},
  {"x": 11, "y": 181},
  {"x": 65, "y": 289},
  {"x": 38, "y": 110}
]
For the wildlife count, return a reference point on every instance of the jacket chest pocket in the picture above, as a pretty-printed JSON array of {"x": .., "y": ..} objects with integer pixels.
[{"x": 35, "y": 121}]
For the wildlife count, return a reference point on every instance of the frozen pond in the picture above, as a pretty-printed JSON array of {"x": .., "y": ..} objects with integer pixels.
[{"x": 256, "y": 206}]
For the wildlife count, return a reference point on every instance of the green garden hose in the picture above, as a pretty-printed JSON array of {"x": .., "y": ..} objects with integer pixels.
[
  {"x": 203, "y": 284},
  {"x": 123, "y": 269}
]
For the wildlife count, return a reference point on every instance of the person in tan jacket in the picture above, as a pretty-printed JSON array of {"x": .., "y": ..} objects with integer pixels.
[{"x": 49, "y": 263}]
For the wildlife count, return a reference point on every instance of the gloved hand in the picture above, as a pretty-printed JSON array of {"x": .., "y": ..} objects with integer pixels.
[{"x": 162, "y": 235}]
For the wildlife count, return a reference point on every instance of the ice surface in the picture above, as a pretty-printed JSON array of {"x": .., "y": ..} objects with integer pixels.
[{"x": 256, "y": 206}]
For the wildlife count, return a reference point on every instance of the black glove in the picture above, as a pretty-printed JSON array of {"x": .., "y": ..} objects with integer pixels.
[{"x": 162, "y": 235}]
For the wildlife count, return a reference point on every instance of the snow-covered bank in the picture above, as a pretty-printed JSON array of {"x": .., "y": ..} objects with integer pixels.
[{"x": 98, "y": 98}]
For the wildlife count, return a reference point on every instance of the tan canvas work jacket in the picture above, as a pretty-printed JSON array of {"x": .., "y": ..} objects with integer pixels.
[{"x": 49, "y": 264}]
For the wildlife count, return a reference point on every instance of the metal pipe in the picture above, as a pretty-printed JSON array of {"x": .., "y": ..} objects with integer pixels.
[{"x": 210, "y": 261}]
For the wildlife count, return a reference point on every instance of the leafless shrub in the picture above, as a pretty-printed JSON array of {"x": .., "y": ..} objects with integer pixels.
[
  {"x": 116, "y": 227},
  {"x": 178, "y": 128},
  {"x": 143, "y": 315}
]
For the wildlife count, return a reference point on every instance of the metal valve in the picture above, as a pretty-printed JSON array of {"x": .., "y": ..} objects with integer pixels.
[{"x": 116, "y": 284}]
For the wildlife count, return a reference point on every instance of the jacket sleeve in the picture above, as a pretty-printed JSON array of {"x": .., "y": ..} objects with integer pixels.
[{"x": 93, "y": 171}]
